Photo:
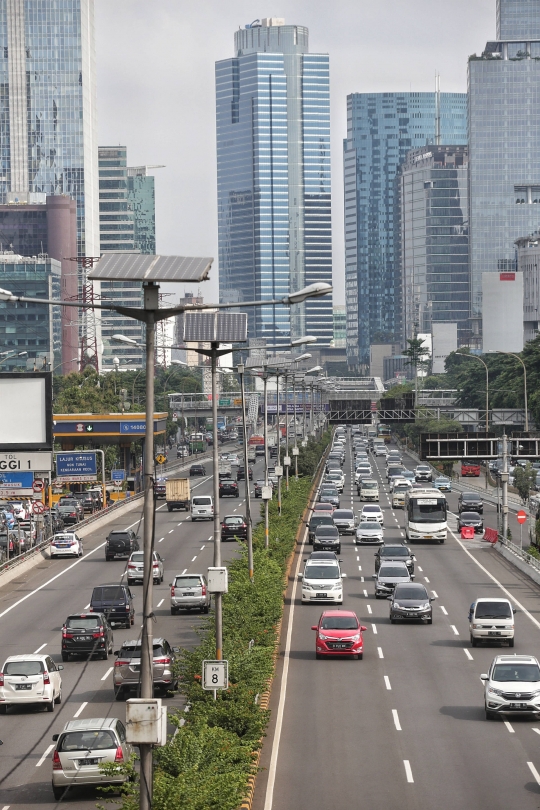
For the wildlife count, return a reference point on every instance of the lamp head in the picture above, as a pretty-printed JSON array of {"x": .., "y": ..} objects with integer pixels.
[{"x": 311, "y": 291}]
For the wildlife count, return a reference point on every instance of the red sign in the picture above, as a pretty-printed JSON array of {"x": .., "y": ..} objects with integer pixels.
[
  {"x": 507, "y": 276},
  {"x": 521, "y": 516},
  {"x": 38, "y": 508},
  {"x": 38, "y": 485}
]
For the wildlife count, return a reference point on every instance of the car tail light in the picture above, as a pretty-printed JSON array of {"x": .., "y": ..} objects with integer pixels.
[
  {"x": 165, "y": 660},
  {"x": 172, "y": 590},
  {"x": 155, "y": 565},
  {"x": 1, "y": 678},
  {"x": 203, "y": 590},
  {"x": 65, "y": 633},
  {"x": 46, "y": 678},
  {"x": 73, "y": 514},
  {"x": 132, "y": 565},
  {"x": 98, "y": 635},
  {"x": 119, "y": 756},
  {"x": 56, "y": 764},
  {"x": 121, "y": 663}
]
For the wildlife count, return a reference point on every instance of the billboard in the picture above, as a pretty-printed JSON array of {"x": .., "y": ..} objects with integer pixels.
[
  {"x": 76, "y": 466},
  {"x": 26, "y": 411}
]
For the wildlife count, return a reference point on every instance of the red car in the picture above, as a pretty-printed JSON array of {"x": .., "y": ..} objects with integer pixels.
[{"x": 339, "y": 633}]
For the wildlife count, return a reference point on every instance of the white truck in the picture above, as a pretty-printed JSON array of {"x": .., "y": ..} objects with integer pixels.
[
  {"x": 224, "y": 469},
  {"x": 177, "y": 494},
  {"x": 251, "y": 453}
]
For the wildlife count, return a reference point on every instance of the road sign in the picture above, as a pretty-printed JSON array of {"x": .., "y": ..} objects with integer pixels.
[
  {"x": 521, "y": 516},
  {"x": 118, "y": 475},
  {"x": 76, "y": 466},
  {"x": 38, "y": 508},
  {"x": 16, "y": 484},
  {"x": 133, "y": 427},
  {"x": 38, "y": 485},
  {"x": 161, "y": 459},
  {"x": 215, "y": 675},
  {"x": 16, "y": 461},
  {"x": 175, "y": 415}
]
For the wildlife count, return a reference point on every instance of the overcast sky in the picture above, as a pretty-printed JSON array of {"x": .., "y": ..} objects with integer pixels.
[{"x": 156, "y": 95}]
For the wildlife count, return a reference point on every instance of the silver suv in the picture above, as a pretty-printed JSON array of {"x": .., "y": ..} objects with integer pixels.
[
  {"x": 127, "y": 667},
  {"x": 189, "y": 591},
  {"x": 135, "y": 567}
]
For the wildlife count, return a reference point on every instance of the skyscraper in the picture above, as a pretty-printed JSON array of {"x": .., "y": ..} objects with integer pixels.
[
  {"x": 48, "y": 129},
  {"x": 504, "y": 145},
  {"x": 273, "y": 163},
  {"x": 381, "y": 129}
]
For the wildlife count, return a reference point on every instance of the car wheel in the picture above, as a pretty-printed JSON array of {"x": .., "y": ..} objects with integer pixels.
[
  {"x": 430, "y": 621},
  {"x": 50, "y": 706},
  {"x": 318, "y": 656},
  {"x": 108, "y": 559},
  {"x": 65, "y": 656},
  {"x": 359, "y": 656},
  {"x": 104, "y": 655},
  {"x": 173, "y": 611},
  {"x": 510, "y": 642},
  {"x": 58, "y": 792},
  {"x": 118, "y": 693},
  {"x": 3, "y": 709},
  {"x": 490, "y": 715},
  {"x": 206, "y": 609},
  {"x": 58, "y": 698},
  {"x": 441, "y": 541},
  {"x": 474, "y": 641}
]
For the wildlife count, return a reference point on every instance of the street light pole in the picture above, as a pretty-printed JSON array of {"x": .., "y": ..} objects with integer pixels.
[
  {"x": 218, "y": 598},
  {"x": 265, "y": 434},
  {"x": 295, "y": 431},
  {"x": 241, "y": 370},
  {"x": 278, "y": 443},
  {"x": 524, "y": 386},
  {"x": 286, "y": 433}
]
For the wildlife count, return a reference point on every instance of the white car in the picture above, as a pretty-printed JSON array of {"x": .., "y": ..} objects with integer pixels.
[
  {"x": 66, "y": 543},
  {"x": 233, "y": 459},
  {"x": 202, "y": 507},
  {"x": 491, "y": 618},
  {"x": 362, "y": 472},
  {"x": 512, "y": 686},
  {"x": 371, "y": 511},
  {"x": 19, "y": 509},
  {"x": 380, "y": 450},
  {"x": 369, "y": 531},
  {"x": 30, "y": 679},
  {"x": 337, "y": 478},
  {"x": 322, "y": 582}
]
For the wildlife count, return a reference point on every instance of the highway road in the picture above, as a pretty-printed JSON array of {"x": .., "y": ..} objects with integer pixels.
[
  {"x": 404, "y": 727},
  {"x": 33, "y": 609}
]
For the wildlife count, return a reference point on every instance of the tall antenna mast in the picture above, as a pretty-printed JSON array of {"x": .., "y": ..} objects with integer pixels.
[{"x": 437, "y": 109}]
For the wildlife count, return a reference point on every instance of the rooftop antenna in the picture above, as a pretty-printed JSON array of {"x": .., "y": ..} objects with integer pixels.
[{"x": 437, "y": 109}]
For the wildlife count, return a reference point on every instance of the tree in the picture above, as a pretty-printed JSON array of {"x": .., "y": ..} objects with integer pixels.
[
  {"x": 524, "y": 480},
  {"x": 417, "y": 353}
]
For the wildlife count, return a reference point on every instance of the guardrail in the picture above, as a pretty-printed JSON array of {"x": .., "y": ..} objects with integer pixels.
[{"x": 518, "y": 551}]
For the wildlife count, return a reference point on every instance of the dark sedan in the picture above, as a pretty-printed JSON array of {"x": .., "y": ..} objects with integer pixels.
[
  {"x": 241, "y": 473},
  {"x": 397, "y": 552},
  {"x": 233, "y": 527},
  {"x": 228, "y": 487},
  {"x": 327, "y": 539},
  {"x": 410, "y": 601},
  {"x": 197, "y": 469},
  {"x": 471, "y": 519},
  {"x": 318, "y": 520},
  {"x": 329, "y": 495},
  {"x": 87, "y": 634},
  {"x": 470, "y": 502}
]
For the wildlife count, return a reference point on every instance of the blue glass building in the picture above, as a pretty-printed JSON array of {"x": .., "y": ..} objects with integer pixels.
[
  {"x": 273, "y": 164},
  {"x": 504, "y": 145},
  {"x": 48, "y": 127},
  {"x": 381, "y": 129}
]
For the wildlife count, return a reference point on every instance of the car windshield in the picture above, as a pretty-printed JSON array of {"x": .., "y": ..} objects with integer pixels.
[
  {"x": 410, "y": 592},
  {"x": 321, "y": 572},
  {"x": 328, "y": 491},
  {"x": 187, "y": 582},
  {"x": 87, "y": 741},
  {"x": 344, "y": 514},
  {"x": 394, "y": 551},
  {"x": 470, "y": 496},
  {"x": 493, "y": 610},
  {"x": 201, "y": 501},
  {"x": 80, "y": 623},
  {"x": 322, "y": 507},
  {"x": 23, "y": 668},
  {"x": 327, "y": 531},
  {"x": 370, "y": 485},
  {"x": 427, "y": 510},
  {"x": 371, "y": 509},
  {"x": 516, "y": 672},
  {"x": 470, "y": 516},
  {"x": 339, "y": 623},
  {"x": 108, "y": 594},
  {"x": 370, "y": 526},
  {"x": 393, "y": 571}
]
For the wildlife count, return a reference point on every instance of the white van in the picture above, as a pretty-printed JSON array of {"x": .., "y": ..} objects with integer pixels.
[
  {"x": 202, "y": 507},
  {"x": 369, "y": 490},
  {"x": 491, "y": 619}
]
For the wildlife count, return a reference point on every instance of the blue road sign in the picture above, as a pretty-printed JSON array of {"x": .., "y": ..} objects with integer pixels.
[
  {"x": 118, "y": 475},
  {"x": 133, "y": 427},
  {"x": 17, "y": 480},
  {"x": 76, "y": 464}
]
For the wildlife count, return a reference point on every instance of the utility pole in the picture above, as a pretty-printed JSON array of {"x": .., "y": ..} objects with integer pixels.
[
  {"x": 241, "y": 370},
  {"x": 218, "y": 597},
  {"x": 265, "y": 433},
  {"x": 504, "y": 482}
]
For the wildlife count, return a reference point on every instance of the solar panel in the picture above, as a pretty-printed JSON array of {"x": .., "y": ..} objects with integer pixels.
[
  {"x": 138, "y": 267},
  {"x": 220, "y": 327}
]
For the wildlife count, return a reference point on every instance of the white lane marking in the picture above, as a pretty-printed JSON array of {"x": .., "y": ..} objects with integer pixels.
[
  {"x": 357, "y": 558},
  {"x": 160, "y": 540},
  {"x": 359, "y": 567},
  {"x": 183, "y": 572},
  {"x": 509, "y": 727},
  {"x": 537, "y": 730},
  {"x": 81, "y": 709},
  {"x": 39, "y": 648},
  {"x": 421, "y": 570},
  {"x": 202, "y": 547},
  {"x": 365, "y": 592},
  {"x": 160, "y": 603},
  {"x": 454, "y": 628},
  {"x": 401, "y": 533},
  {"x": 374, "y": 626},
  {"x": 467, "y": 653},
  {"x": 6, "y": 807},
  {"x": 209, "y": 539},
  {"x": 387, "y": 682},
  {"x": 408, "y": 771},
  {"x": 179, "y": 524},
  {"x": 381, "y": 654},
  {"x": 534, "y": 772},
  {"x": 493, "y": 579},
  {"x": 171, "y": 531},
  {"x": 194, "y": 558},
  {"x": 283, "y": 690},
  {"x": 427, "y": 580},
  {"x": 444, "y": 610},
  {"x": 41, "y": 761},
  {"x": 88, "y": 605},
  {"x": 57, "y": 576},
  {"x": 107, "y": 673},
  {"x": 435, "y": 594},
  {"x": 396, "y": 720},
  {"x": 369, "y": 608},
  {"x": 361, "y": 579}
]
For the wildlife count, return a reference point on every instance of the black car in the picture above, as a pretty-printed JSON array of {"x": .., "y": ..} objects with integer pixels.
[
  {"x": 70, "y": 511},
  {"x": 57, "y": 524},
  {"x": 472, "y": 519},
  {"x": 121, "y": 543},
  {"x": 87, "y": 500},
  {"x": 470, "y": 502},
  {"x": 234, "y": 527},
  {"x": 228, "y": 487},
  {"x": 241, "y": 473},
  {"x": 410, "y": 601},
  {"x": 115, "y": 601},
  {"x": 257, "y": 489},
  {"x": 87, "y": 634},
  {"x": 327, "y": 539},
  {"x": 197, "y": 469},
  {"x": 394, "y": 553},
  {"x": 318, "y": 520}
]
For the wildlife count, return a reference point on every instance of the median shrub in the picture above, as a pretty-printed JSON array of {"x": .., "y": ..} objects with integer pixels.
[{"x": 206, "y": 764}]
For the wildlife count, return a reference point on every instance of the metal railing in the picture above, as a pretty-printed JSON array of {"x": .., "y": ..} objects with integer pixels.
[{"x": 520, "y": 553}]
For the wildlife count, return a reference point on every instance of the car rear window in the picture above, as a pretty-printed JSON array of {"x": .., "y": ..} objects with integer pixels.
[
  {"x": 493, "y": 610},
  {"x": 394, "y": 551},
  {"x": 202, "y": 501},
  {"x": 23, "y": 668},
  {"x": 87, "y": 741},
  {"x": 134, "y": 650},
  {"x": 137, "y": 556},
  {"x": 118, "y": 536},
  {"x": 233, "y": 521},
  {"x": 80, "y": 623},
  {"x": 187, "y": 582},
  {"x": 108, "y": 593},
  {"x": 321, "y": 520}
]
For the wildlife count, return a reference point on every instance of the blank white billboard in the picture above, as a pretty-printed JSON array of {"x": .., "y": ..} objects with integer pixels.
[
  {"x": 25, "y": 412},
  {"x": 502, "y": 312},
  {"x": 444, "y": 342}
]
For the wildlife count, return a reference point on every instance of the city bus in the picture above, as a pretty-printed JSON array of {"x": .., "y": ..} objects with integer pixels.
[
  {"x": 426, "y": 515},
  {"x": 197, "y": 443},
  {"x": 384, "y": 433}
]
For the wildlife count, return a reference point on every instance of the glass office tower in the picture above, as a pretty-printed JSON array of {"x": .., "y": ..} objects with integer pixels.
[
  {"x": 434, "y": 239},
  {"x": 504, "y": 145},
  {"x": 48, "y": 127},
  {"x": 381, "y": 129},
  {"x": 273, "y": 163}
]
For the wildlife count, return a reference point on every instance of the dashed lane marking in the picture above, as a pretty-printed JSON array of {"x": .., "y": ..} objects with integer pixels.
[
  {"x": 444, "y": 610},
  {"x": 39, "y": 648},
  {"x": 40, "y": 762},
  {"x": 467, "y": 653},
  {"x": 159, "y": 604},
  {"x": 107, "y": 673},
  {"x": 455, "y": 630},
  {"x": 374, "y": 627},
  {"x": 396, "y": 720},
  {"x": 194, "y": 558},
  {"x": 81, "y": 709},
  {"x": 369, "y": 609},
  {"x": 381, "y": 654},
  {"x": 387, "y": 682},
  {"x": 509, "y": 727},
  {"x": 408, "y": 771}
]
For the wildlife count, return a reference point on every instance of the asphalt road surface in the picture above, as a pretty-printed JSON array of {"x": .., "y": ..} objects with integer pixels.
[
  {"x": 405, "y": 727},
  {"x": 33, "y": 609}
]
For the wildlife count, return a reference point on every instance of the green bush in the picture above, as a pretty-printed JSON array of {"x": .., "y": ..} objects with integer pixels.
[{"x": 206, "y": 765}]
